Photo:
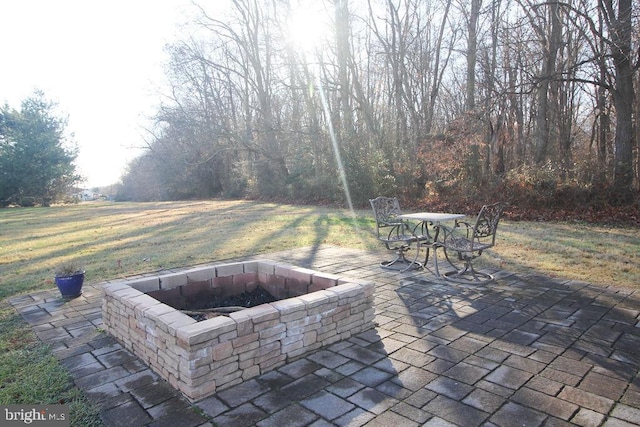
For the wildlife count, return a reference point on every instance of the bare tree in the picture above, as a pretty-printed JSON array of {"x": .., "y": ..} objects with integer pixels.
[
  {"x": 501, "y": 83},
  {"x": 472, "y": 52},
  {"x": 619, "y": 24}
]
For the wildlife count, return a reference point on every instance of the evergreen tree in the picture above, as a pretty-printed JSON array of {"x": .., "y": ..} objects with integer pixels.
[{"x": 36, "y": 164}]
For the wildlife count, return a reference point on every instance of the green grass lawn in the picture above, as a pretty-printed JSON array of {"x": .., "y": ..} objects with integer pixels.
[{"x": 122, "y": 239}]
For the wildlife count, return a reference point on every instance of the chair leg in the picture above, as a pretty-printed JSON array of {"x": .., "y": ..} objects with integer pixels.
[{"x": 469, "y": 275}]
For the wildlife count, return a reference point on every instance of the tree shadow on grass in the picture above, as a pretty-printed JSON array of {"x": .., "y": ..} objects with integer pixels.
[{"x": 119, "y": 240}]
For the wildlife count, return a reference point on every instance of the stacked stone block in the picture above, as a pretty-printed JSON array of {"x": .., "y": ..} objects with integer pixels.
[{"x": 199, "y": 358}]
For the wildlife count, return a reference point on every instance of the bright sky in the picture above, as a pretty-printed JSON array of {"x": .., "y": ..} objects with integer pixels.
[{"x": 101, "y": 61}]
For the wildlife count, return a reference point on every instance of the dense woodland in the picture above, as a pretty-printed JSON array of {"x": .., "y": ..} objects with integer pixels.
[{"x": 440, "y": 103}]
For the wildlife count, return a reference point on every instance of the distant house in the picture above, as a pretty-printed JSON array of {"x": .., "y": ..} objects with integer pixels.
[
  {"x": 85, "y": 195},
  {"x": 81, "y": 195}
]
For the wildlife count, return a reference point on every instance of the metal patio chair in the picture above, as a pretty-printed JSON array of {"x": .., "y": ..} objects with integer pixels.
[
  {"x": 468, "y": 241},
  {"x": 396, "y": 234}
]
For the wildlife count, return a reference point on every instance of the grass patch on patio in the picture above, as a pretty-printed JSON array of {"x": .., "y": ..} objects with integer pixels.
[
  {"x": 122, "y": 239},
  {"x": 30, "y": 373}
]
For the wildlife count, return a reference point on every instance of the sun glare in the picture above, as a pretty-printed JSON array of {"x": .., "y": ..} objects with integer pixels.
[{"x": 308, "y": 26}]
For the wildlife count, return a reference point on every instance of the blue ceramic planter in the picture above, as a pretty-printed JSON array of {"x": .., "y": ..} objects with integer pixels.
[{"x": 70, "y": 286}]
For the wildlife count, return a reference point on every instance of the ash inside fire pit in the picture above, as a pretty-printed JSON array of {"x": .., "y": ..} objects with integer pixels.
[{"x": 246, "y": 299}]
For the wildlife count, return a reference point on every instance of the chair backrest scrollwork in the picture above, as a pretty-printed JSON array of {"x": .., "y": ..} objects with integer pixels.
[
  {"x": 386, "y": 210},
  {"x": 487, "y": 222}
]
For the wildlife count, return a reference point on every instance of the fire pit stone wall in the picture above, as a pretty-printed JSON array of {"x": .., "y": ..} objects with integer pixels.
[{"x": 199, "y": 358}]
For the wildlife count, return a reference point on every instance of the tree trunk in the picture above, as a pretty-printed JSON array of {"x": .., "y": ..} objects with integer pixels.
[
  {"x": 553, "y": 43},
  {"x": 472, "y": 53},
  {"x": 437, "y": 72},
  {"x": 342, "y": 53},
  {"x": 623, "y": 96}
]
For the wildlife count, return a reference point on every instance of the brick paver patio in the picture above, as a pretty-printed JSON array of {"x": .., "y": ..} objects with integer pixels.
[{"x": 528, "y": 350}]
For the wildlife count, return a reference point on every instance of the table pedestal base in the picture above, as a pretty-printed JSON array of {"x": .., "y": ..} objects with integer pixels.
[{"x": 401, "y": 263}]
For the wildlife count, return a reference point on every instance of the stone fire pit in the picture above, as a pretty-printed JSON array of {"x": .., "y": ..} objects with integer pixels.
[{"x": 313, "y": 310}]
